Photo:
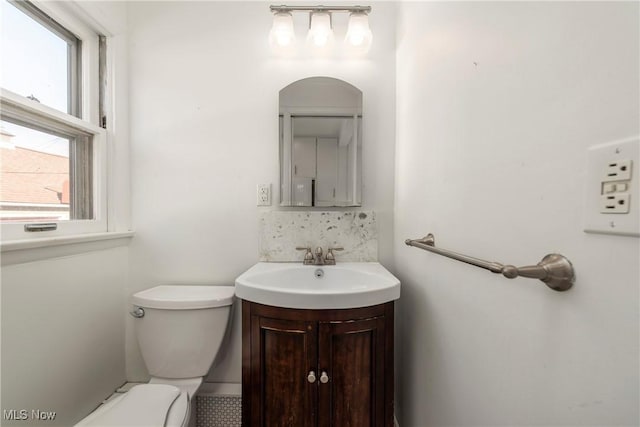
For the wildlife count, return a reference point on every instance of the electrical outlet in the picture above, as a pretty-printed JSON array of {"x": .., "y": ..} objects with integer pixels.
[
  {"x": 264, "y": 194},
  {"x": 612, "y": 197},
  {"x": 614, "y": 204},
  {"x": 619, "y": 170}
]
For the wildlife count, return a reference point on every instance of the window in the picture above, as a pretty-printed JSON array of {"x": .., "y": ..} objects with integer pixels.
[
  {"x": 40, "y": 58},
  {"x": 52, "y": 152},
  {"x": 35, "y": 182}
]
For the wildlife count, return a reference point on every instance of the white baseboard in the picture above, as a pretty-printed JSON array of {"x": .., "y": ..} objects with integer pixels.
[
  {"x": 206, "y": 389},
  {"x": 220, "y": 389}
]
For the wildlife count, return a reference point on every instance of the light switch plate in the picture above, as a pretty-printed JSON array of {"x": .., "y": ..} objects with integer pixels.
[{"x": 612, "y": 194}]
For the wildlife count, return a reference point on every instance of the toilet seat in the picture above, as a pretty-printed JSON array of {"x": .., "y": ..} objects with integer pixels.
[{"x": 147, "y": 405}]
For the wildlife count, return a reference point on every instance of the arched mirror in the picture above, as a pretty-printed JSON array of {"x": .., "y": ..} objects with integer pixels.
[{"x": 320, "y": 143}]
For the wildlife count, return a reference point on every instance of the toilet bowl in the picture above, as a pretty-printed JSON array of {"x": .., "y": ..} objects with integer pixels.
[{"x": 179, "y": 331}]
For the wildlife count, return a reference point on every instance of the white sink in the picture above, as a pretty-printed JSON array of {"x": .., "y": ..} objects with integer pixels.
[{"x": 345, "y": 285}]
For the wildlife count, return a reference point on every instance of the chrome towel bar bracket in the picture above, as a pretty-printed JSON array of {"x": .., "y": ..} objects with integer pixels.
[{"x": 554, "y": 270}]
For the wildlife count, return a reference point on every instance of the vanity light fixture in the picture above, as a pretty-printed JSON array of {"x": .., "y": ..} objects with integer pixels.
[
  {"x": 282, "y": 33},
  {"x": 320, "y": 29},
  {"x": 359, "y": 34},
  {"x": 358, "y": 38}
]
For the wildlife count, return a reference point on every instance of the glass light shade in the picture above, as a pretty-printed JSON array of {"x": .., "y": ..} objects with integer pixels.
[
  {"x": 320, "y": 32},
  {"x": 282, "y": 34},
  {"x": 359, "y": 34}
]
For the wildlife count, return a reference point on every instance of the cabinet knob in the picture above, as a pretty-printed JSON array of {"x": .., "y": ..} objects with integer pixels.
[
  {"x": 324, "y": 378},
  {"x": 311, "y": 377}
]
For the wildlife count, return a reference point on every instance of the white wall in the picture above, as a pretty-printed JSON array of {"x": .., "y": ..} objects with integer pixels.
[
  {"x": 204, "y": 131},
  {"x": 63, "y": 334},
  {"x": 496, "y": 106}
]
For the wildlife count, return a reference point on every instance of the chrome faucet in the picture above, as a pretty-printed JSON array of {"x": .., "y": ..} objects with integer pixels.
[{"x": 318, "y": 259}]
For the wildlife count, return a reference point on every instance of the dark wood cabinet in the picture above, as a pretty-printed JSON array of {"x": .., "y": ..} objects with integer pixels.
[{"x": 317, "y": 368}]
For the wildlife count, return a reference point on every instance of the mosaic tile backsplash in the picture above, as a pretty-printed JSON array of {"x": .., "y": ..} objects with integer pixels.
[
  {"x": 218, "y": 411},
  {"x": 282, "y": 231}
]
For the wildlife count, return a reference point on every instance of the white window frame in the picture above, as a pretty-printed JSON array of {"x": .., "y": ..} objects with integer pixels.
[{"x": 25, "y": 110}]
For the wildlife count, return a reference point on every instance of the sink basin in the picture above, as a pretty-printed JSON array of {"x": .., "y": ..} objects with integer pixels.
[{"x": 345, "y": 285}]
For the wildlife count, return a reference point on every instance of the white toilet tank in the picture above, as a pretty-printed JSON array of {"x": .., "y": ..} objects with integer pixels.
[{"x": 182, "y": 328}]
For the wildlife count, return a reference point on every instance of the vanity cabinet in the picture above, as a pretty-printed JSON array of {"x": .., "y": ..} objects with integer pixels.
[{"x": 320, "y": 368}]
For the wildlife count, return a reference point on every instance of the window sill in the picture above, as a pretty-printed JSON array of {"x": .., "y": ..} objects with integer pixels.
[
  {"x": 20, "y": 251},
  {"x": 17, "y": 245}
]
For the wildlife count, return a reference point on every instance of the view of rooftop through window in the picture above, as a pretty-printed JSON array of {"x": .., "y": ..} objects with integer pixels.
[
  {"x": 34, "y": 175},
  {"x": 34, "y": 165}
]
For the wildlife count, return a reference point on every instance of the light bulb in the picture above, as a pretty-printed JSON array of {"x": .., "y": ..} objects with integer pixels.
[
  {"x": 320, "y": 32},
  {"x": 320, "y": 39},
  {"x": 282, "y": 34},
  {"x": 359, "y": 34}
]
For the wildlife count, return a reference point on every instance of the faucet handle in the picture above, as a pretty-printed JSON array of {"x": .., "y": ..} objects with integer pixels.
[
  {"x": 308, "y": 256},
  {"x": 330, "y": 256}
]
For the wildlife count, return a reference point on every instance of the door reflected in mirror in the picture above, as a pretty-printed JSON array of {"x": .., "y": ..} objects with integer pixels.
[{"x": 320, "y": 143}]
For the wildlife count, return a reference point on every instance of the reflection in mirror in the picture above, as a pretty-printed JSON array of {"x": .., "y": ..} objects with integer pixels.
[{"x": 320, "y": 143}]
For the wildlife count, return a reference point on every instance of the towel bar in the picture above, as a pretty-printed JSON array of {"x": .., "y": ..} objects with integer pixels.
[{"x": 554, "y": 270}]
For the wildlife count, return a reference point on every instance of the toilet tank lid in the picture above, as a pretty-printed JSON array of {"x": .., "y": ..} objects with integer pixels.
[{"x": 183, "y": 297}]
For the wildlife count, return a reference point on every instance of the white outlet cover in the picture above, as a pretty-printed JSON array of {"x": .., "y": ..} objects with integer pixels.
[
  {"x": 599, "y": 157},
  {"x": 263, "y": 195}
]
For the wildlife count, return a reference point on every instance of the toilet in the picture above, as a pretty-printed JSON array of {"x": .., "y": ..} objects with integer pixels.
[{"x": 179, "y": 331}]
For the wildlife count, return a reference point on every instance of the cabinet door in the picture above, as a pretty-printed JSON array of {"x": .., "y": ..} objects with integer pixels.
[
  {"x": 327, "y": 171},
  {"x": 352, "y": 353},
  {"x": 283, "y": 352},
  {"x": 304, "y": 157}
]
